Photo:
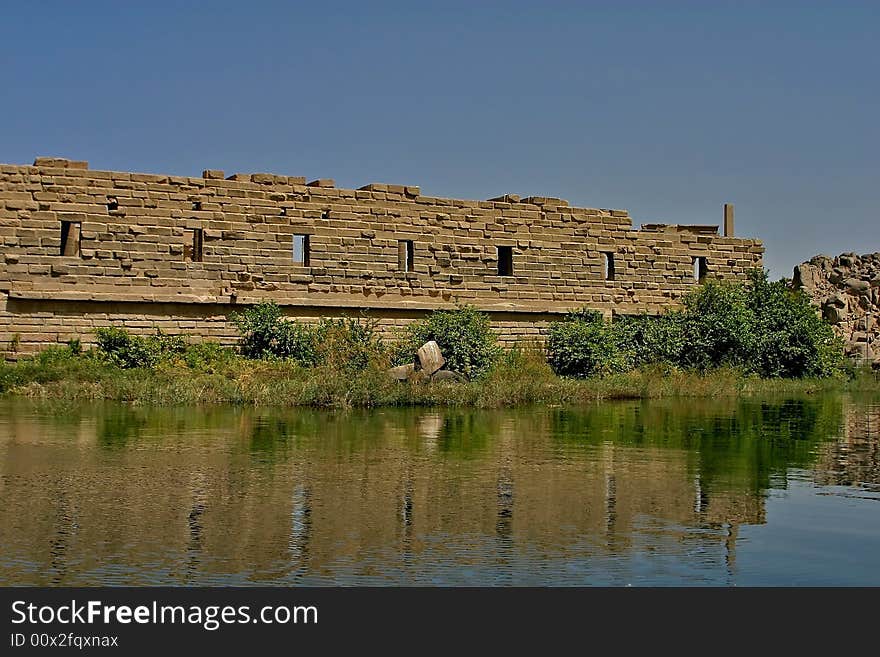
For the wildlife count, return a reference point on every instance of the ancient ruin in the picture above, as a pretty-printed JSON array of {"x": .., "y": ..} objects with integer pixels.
[{"x": 85, "y": 249}]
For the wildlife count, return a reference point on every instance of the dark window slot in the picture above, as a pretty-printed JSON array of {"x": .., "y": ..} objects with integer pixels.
[
  {"x": 505, "y": 261},
  {"x": 608, "y": 269},
  {"x": 112, "y": 203},
  {"x": 406, "y": 255},
  {"x": 192, "y": 250},
  {"x": 701, "y": 269},
  {"x": 70, "y": 238}
]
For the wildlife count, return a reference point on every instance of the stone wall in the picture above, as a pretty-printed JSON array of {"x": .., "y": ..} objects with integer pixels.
[{"x": 86, "y": 248}]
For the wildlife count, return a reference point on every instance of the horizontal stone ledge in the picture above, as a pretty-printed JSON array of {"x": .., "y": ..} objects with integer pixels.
[
  {"x": 545, "y": 200},
  {"x": 342, "y": 302},
  {"x": 700, "y": 229},
  {"x": 60, "y": 163}
]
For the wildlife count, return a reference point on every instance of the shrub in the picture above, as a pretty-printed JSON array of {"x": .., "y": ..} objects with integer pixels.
[
  {"x": 584, "y": 345},
  {"x": 762, "y": 327},
  {"x": 349, "y": 344},
  {"x": 759, "y": 327},
  {"x": 265, "y": 334},
  {"x": 463, "y": 335},
  {"x": 124, "y": 350},
  {"x": 651, "y": 340},
  {"x": 790, "y": 339},
  {"x": 718, "y": 326},
  {"x": 208, "y": 356}
]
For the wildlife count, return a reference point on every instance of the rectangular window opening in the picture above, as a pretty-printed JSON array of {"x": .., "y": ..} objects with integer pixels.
[
  {"x": 406, "y": 255},
  {"x": 112, "y": 203},
  {"x": 70, "y": 236},
  {"x": 193, "y": 250},
  {"x": 301, "y": 250},
  {"x": 505, "y": 261},
  {"x": 608, "y": 268},
  {"x": 197, "y": 205},
  {"x": 701, "y": 269}
]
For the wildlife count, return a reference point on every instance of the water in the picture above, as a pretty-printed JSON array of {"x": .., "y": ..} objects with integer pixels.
[{"x": 713, "y": 492}]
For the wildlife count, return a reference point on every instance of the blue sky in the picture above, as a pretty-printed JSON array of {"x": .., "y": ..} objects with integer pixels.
[{"x": 665, "y": 109}]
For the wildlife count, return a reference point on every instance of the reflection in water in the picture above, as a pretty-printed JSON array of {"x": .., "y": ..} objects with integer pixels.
[
  {"x": 658, "y": 492},
  {"x": 854, "y": 458},
  {"x": 300, "y": 530}
]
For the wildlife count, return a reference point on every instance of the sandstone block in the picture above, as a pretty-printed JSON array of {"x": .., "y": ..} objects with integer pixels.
[
  {"x": 429, "y": 357},
  {"x": 402, "y": 372}
]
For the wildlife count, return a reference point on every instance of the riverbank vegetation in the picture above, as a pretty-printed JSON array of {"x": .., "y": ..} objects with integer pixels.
[{"x": 757, "y": 338}]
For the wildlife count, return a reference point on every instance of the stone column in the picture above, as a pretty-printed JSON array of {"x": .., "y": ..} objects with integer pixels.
[{"x": 728, "y": 220}]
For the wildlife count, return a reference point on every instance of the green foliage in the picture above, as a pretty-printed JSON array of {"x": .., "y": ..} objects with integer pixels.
[
  {"x": 463, "y": 335},
  {"x": 209, "y": 356},
  {"x": 349, "y": 344},
  {"x": 718, "y": 326},
  {"x": 266, "y": 334},
  {"x": 584, "y": 345},
  {"x": 761, "y": 327},
  {"x": 651, "y": 340},
  {"x": 791, "y": 340},
  {"x": 758, "y": 327},
  {"x": 346, "y": 343},
  {"x": 128, "y": 351}
]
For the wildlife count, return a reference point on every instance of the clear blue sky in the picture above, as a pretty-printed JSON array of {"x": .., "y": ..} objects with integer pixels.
[{"x": 665, "y": 109}]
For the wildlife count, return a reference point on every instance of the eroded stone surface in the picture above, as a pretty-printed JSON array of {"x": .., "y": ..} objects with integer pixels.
[
  {"x": 846, "y": 291},
  {"x": 177, "y": 253}
]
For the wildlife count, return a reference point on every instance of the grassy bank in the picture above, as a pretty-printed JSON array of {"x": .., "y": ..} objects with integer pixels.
[
  {"x": 517, "y": 378},
  {"x": 731, "y": 339}
]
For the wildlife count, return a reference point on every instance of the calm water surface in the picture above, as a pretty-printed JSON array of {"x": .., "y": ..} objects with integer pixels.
[{"x": 719, "y": 492}]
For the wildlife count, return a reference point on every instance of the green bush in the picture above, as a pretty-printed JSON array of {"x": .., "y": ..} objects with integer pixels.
[
  {"x": 127, "y": 351},
  {"x": 790, "y": 339},
  {"x": 208, "y": 356},
  {"x": 584, "y": 345},
  {"x": 761, "y": 327},
  {"x": 758, "y": 327},
  {"x": 651, "y": 340},
  {"x": 464, "y": 336},
  {"x": 718, "y": 326},
  {"x": 266, "y": 334},
  {"x": 349, "y": 344}
]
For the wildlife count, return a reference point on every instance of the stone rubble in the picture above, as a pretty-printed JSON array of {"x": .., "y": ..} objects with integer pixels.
[
  {"x": 846, "y": 290},
  {"x": 428, "y": 367}
]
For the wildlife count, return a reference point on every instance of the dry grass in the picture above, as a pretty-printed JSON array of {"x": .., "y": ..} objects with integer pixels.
[{"x": 521, "y": 377}]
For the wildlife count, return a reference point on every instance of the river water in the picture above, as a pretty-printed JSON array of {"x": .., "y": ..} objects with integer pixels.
[{"x": 693, "y": 492}]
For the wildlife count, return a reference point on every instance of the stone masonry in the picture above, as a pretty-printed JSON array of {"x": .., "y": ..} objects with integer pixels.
[{"x": 84, "y": 249}]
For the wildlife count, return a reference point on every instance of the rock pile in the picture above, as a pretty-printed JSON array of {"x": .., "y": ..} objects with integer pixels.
[
  {"x": 427, "y": 367},
  {"x": 846, "y": 289}
]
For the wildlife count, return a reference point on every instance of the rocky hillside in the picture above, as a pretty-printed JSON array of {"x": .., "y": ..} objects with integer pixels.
[{"x": 847, "y": 290}]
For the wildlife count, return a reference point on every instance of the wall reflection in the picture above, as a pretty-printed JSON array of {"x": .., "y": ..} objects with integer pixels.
[{"x": 112, "y": 494}]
